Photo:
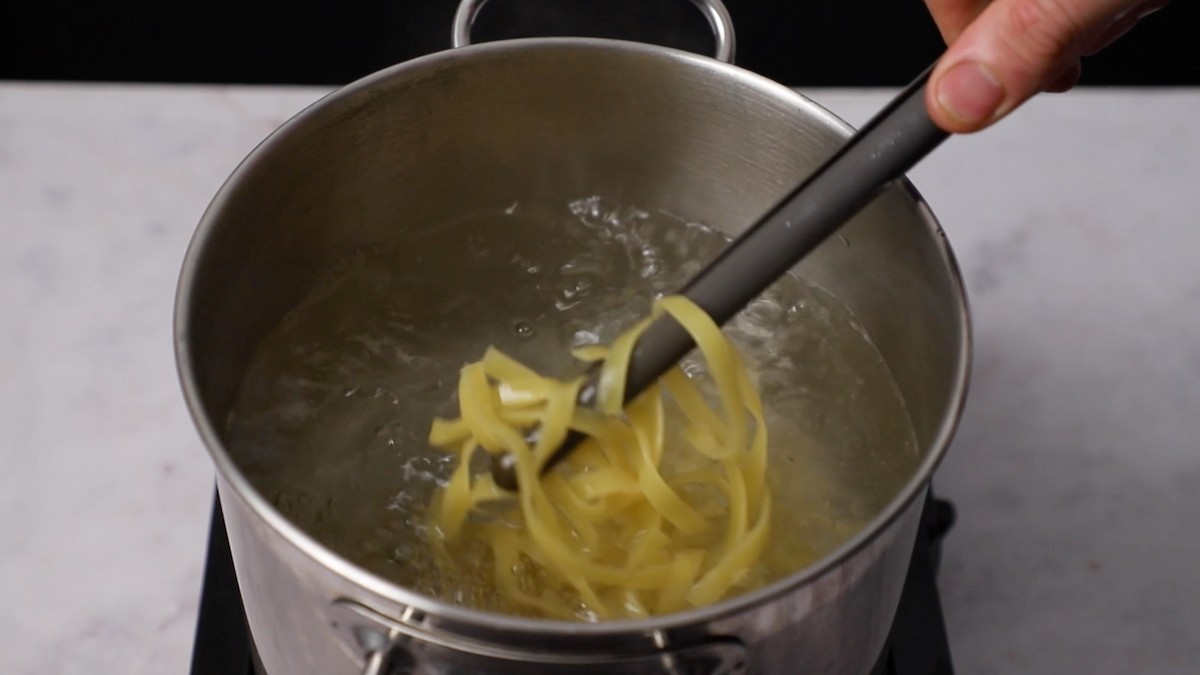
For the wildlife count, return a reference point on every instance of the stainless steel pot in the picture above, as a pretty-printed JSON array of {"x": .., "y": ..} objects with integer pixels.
[{"x": 538, "y": 120}]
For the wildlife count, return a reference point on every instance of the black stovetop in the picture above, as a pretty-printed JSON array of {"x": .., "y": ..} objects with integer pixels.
[{"x": 917, "y": 644}]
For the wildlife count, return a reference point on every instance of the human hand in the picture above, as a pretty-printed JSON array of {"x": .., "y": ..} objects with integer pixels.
[{"x": 1002, "y": 52}]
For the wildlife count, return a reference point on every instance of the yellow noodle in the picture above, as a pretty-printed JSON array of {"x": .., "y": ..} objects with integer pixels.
[
  {"x": 612, "y": 380},
  {"x": 520, "y": 417},
  {"x": 729, "y": 568},
  {"x": 612, "y": 532},
  {"x": 517, "y": 393},
  {"x": 455, "y": 499},
  {"x": 448, "y": 432},
  {"x": 506, "y": 369},
  {"x": 650, "y": 545},
  {"x": 683, "y": 575},
  {"x": 590, "y": 353}
]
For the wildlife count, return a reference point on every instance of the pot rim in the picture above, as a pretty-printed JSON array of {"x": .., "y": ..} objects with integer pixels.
[{"x": 395, "y": 593}]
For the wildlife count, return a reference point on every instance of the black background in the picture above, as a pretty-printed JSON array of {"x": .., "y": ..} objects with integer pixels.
[{"x": 798, "y": 42}]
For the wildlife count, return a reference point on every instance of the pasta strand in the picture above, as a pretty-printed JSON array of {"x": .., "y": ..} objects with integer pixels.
[{"x": 637, "y": 521}]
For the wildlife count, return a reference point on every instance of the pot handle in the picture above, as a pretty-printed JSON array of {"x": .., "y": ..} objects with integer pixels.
[
  {"x": 389, "y": 646},
  {"x": 713, "y": 10}
]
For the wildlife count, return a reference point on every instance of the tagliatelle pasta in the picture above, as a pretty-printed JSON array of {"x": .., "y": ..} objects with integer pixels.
[{"x": 640, "y": 519}]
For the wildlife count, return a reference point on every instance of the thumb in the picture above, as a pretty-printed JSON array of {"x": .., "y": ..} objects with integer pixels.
[{"x": 1013, "y": 50}]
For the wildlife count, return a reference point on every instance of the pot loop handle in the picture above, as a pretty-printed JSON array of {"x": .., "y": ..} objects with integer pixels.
[
  {"x": 403, "y": 646},
  {"x": 713, "y": 10}
]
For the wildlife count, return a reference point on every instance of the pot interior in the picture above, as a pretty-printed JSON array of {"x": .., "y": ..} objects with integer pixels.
[{"x": 416, "y": 203}]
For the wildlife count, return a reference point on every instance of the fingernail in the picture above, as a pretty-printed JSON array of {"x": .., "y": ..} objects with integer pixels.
[{"x": 970, "y": 93}]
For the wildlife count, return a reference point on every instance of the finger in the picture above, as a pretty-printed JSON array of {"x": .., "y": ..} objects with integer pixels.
[
  {"x": 952, "y": 16},
  {"x": 1012, "y": 51},
  {"x": 1066, "y": 79}
]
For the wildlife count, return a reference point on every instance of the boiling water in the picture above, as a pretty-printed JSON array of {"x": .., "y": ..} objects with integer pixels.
[{"x": 332, "y": 416}]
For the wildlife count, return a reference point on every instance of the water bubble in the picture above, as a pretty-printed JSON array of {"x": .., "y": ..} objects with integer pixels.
[
  {"x": 523, "y": 328},
  {"x": 564, "y": 305},
  {"x": 584, "y": 337},
  {"x": 650, "y": 261},
  {"x": 527, "y": 265},
  {"x": 400, "y": 501},
  {"x": 587, "y": 210},
  {"x": 692, "y": 369},
  {"x": 579, "y": 289}
]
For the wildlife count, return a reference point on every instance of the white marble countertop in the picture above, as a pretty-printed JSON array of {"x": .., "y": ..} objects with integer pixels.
[{"x": 1076, "y": 471}]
